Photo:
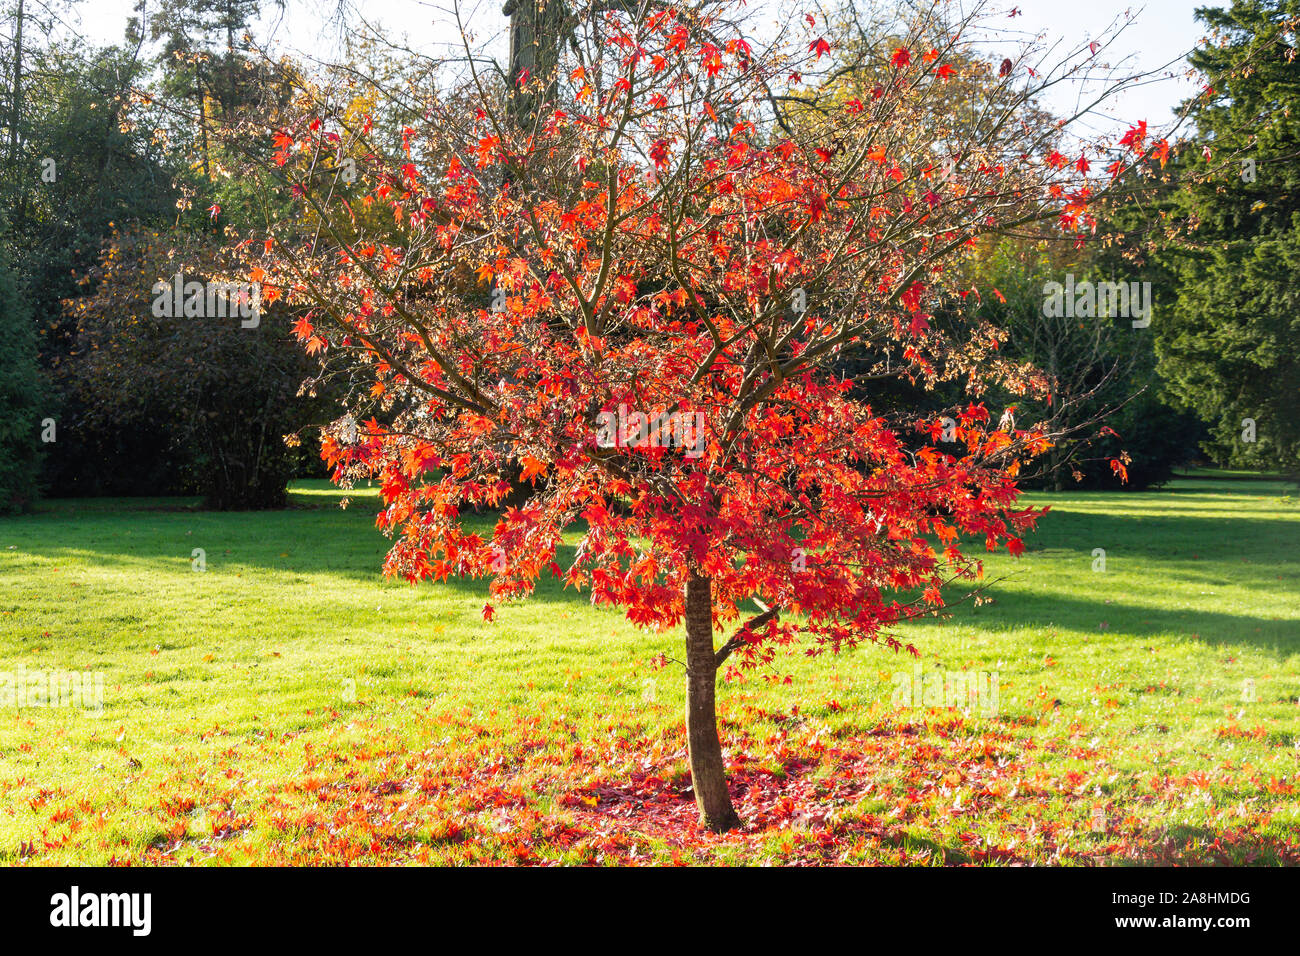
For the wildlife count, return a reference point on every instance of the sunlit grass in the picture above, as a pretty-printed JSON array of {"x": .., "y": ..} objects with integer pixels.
[{"x": 288, "y": 704}]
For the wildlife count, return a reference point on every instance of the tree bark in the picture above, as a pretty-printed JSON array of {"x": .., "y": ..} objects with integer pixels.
[
  {"x": 708, "y": 777},
  {"x": 535, "y": 29}
]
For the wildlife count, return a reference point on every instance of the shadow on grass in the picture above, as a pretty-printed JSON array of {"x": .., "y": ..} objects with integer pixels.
[
  {"x": 318, "y": 538},
  {"x": 310, "y": 542},
  {"x": 1130, "y": 620},
  {"x": 1128, "y": 531}
]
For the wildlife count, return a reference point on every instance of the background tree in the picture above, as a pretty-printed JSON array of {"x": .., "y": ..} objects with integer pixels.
[
  {"x": 223, "y": 393},
  {"x": 25, "y": 401},
  {"x": 107, "y": 170},
  {"x": 1228, "y": 344},
  {"x": 107, "y": 147},
  {"x": 206, "y": 64},
  {"x": 85, "y": 167},
  {"x": 1100, "y": 394}
]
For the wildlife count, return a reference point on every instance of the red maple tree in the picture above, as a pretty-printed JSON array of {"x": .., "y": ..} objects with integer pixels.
[{"x": 639, "y": 302}]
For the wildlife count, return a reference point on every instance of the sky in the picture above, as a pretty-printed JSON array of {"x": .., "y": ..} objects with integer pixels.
[{"x": 1160, "y": 33}]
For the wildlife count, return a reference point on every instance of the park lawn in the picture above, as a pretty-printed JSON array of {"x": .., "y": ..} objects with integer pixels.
[{"x": 288, "y": 705}]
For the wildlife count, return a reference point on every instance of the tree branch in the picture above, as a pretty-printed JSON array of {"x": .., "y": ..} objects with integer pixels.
[{"x": 738, "y": 639}]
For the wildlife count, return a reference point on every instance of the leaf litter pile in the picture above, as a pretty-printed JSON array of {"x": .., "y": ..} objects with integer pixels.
[{"x": 510, "y": 786}]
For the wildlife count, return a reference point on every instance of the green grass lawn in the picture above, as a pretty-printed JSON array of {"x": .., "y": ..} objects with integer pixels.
[{"x": 288, "y": 705}]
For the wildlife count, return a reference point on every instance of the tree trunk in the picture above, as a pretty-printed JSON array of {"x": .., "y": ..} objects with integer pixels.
[
  {"x": 535, "y": 28},
  {"x": 16, "y": 118},
  {"x": 708, "y": 777}
]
